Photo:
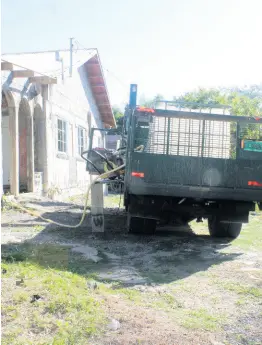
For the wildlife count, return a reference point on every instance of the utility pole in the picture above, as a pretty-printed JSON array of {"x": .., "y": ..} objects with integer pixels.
[{"x": 71, "y": 56}]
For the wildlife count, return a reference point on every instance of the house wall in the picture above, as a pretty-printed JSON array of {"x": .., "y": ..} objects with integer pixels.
[{"x": 70, "y": 100}]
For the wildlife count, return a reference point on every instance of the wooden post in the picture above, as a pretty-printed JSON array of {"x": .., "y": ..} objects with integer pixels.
[
  {"x": 97, "y": 208},
  {"x": 6, "y": 66},
  {"x": 25, "y": 73},
  {"x": 42, "y": 80}
]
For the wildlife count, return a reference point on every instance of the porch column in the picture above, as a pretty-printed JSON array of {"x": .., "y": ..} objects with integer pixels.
[
  {"x": 45, "y": 136},
  {"x": 14, "y": 135},
  {"x": 30, "y": 152}
]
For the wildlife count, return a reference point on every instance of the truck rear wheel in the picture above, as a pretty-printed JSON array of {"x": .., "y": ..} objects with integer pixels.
[
  {"x": 219, "y": 229},
  {"x": 137, "y": 225},
  {"x": 187, "y": 219}
]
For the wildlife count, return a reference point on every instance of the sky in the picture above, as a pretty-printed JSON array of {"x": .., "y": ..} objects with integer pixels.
[{"x": 167, "y": 47}]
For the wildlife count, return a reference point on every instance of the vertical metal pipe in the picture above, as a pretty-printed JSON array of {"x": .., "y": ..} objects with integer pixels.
[
  {"x": 71, "y": 57},
  {"x": 133, "y": 96}
]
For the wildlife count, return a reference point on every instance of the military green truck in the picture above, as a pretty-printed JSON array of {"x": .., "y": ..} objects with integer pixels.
[{"x": 191, "y": 164}]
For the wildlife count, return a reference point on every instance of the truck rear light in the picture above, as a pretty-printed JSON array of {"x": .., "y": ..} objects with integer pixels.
[
  {"x": 137, "y": 174},
  {"x": 254, "y": 184},
  {"x": 145, "y": 110}
]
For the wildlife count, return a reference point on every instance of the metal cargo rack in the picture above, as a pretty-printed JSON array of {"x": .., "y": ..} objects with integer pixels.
[{"x": 191, "y": 133}]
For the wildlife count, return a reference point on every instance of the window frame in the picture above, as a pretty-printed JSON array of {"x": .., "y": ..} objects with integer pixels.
[
  {"x": 62, "y": 144},
  {"x": 81, "y": 139}
]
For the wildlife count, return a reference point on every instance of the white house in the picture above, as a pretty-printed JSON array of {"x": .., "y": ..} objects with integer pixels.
[{"x": 50, "y": 101}]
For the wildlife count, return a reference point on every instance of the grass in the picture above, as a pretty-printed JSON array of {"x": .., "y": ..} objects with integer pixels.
[
  {"x": 131, "y": 295},
  {"x": 166, "y": 302},
  {"x": 251, "y": 235},
  {"x": 67, "y": 313},
  {"x": 110, "y": 201},
  {"x": 38, "y": 228},
  {"x": 201, "y": 319},
  {"x": 33, "y": 229},
  {"x": 242, "y": 302},
  {"x": 245, "y": 290},
  {"x": 114, "y": 200}
]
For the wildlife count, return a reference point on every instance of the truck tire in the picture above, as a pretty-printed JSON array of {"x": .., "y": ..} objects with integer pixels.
[
  {"x": 218, "y": 229},
  {"x": 187, "y": 219},
  {"x": 143, "y": 226}
]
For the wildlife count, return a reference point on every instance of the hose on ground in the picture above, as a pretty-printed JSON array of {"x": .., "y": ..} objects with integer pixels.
[{"x": 36, "y": 214}]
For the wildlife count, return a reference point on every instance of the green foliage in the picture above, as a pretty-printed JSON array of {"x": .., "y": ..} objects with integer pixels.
[
  {"x": 119, "y": 117},
  {"x": 247, "y": 102},
  {"x": 244, "y": 105},
  {"x": 150, "y": 103},
  {"x": 242, "y": 102},
  {"x": 203, "y": 97}
]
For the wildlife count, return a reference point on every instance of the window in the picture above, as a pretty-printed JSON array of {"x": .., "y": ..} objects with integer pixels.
[
  {"x": 81, "y": 139},
  {"x": 62, "y": 136}
]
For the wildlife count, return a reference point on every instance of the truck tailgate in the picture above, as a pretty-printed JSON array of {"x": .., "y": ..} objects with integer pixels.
[{"x": 195, "y": 177}]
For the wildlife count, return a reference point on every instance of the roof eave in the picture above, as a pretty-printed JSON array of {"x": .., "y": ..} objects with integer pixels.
[{"x": 98, "y": 86}]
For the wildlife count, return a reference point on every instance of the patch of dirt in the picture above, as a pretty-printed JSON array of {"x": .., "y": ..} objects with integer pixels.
[{"x": 146, "y": 326}]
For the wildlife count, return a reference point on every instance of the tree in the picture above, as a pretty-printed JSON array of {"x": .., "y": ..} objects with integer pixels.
[
  {"x": 119, "y": 117},
  {"x": 245, "y": 102},
  {"x": 117, "y": 114},
  {"x": 202, "y": 97},
  {"x": 151, "y": 103}
]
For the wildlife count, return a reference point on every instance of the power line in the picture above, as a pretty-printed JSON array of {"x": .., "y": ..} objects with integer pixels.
[
  {"x": 68, "y": 67},
  {"x": 65, "y": 69},
  {"x": 90, "y": 50}
]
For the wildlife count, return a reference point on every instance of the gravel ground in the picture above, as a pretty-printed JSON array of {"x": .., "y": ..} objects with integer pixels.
[{"x": 211, "y": 290}]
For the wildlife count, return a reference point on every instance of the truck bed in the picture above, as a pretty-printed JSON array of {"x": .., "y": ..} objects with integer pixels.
[{"x": 195, "y": 155}]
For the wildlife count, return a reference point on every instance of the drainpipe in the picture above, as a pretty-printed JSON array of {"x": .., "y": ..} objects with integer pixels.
[{"x": 71, "y": 57}]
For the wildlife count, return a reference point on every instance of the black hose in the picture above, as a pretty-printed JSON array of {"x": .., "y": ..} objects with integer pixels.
[
  {"x": 104, "y": 158},
  {"x": 100, "y": 155},
  {"x": 89, "y": 161},
  {"x": 83, "y": 153}
]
